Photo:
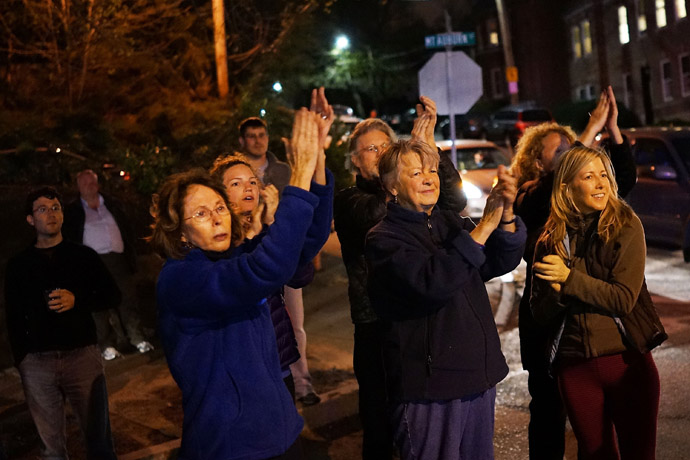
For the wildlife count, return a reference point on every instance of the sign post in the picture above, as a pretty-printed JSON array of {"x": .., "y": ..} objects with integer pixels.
[{"x": 454, "y": 81}]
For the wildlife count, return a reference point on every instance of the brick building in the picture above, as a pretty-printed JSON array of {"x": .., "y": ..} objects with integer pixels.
[
  {"x": 640, "y": 47},
  {"x": 567, "y": 51}
]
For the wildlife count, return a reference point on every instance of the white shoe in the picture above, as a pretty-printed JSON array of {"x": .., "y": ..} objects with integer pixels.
[
  {"x": 110, "y": 353},
  {"x": 144, "y": 346}
]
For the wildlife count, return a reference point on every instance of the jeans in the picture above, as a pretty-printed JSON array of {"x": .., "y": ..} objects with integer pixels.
[{"x": 76, "y": 375}]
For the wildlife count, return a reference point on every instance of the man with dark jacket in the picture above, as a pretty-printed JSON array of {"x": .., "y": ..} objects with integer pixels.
[
  {"x": 98, "y": 222},
  {"x": 51, "y": 288},
  {"x": 356, "y": 210}
]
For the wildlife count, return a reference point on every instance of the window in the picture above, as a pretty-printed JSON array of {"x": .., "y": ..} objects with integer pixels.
[
  {"x": 681, "y": 11},
  {"x": 497, "y": 82},
  {"x": 577, "y": 44},
  {"x": 641, "y": 17},
  {"x": 623, "y": 32},
  {"x": 492, "y": 32},
  {"x": 684, "y": 74},
  {"x": 586, "y": 38},
  {"x": 582, "y": 93},
  {"x": 660, "y": 6},
  {"x": 591, "y": 93},
  {"x": 666, "y": 80},
  {"x": 627, "y": 89}
]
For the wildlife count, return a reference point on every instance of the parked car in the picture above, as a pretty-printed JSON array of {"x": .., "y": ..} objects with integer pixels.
[
  {"x": 661, "y": 197},
  {"x": 508, "y": 124},
  {"x": 467, "y": 126},
  {"x": 478, "y": 161}
]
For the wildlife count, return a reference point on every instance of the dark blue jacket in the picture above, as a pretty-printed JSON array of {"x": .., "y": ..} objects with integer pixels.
[
  {"x": 219, "y": 340},
  {"x": 426, "y": 282}
]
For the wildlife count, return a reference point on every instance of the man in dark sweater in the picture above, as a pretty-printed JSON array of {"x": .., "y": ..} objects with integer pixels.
[{"x": 51, "y": 288}]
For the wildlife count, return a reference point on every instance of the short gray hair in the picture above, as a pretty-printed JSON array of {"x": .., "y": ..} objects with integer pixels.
[{"x": 362, "y": 128}]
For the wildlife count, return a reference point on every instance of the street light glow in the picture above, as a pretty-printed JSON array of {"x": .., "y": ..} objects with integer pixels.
[
  {"x": 277, "y": 87},
  {"x": 342, "y": 43}
]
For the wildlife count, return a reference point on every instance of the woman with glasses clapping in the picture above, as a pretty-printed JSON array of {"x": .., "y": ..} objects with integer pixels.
[{"x": 213, "y": 318}]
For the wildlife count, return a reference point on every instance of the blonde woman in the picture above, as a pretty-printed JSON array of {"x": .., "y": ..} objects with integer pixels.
[
  {"x": 588, "y": 288},
  {"x": 533, "y": 166}
]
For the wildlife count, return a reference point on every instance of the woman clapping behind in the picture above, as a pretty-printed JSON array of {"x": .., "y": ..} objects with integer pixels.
[
  {"x": 427, "y": 269},
  {"x": 214, "y": 322},
  {"x": 588, "y": 289}
]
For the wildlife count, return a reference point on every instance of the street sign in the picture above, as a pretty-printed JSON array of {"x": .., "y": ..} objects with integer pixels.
[
  {"x": 452, "y": 80},
  {"x": 450, "y": 39}
]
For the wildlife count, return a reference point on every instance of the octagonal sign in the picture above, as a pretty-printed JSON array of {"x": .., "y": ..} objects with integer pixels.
[{"x": 460, "y": 79}]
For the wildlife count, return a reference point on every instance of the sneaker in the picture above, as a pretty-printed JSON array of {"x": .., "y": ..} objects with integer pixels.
[
  {"x": 309, "y": 399},
  {"x": 110, "y": 353},
  {"x": 144, "y": 346}
]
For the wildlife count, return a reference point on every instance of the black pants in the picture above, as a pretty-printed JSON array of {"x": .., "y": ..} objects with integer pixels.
[
  {"x": 377, "y": 440},
  {"x": 547, "y": 416}
]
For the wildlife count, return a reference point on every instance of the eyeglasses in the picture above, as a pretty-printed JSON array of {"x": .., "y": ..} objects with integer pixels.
[
  {"x": 204, "y": 214},
  {"x": 45, "y": 209},
  {"x": 375, "y": 148}
]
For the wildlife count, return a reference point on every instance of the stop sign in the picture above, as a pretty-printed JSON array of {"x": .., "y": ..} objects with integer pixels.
[{"x": 451, "y": 77}]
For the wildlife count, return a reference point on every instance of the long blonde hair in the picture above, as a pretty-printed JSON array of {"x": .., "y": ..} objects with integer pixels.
[
  {"x": 564, "y": 212},
  {"x": 529, "y": 148}
]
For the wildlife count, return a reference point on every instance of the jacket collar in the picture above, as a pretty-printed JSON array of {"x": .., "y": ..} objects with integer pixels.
[
  {"x": 398, "y": 213},
  {"x": 372, "y": 186}
]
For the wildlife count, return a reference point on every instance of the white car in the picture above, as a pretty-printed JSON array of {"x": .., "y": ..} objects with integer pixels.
[{"x": 478, "y": 161}]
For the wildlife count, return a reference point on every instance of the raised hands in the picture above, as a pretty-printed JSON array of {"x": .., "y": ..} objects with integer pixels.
[
  {"x": 324, "y": 111},
  {"x": 499, "y": 207},
  {"x": 612, "y": 119},
  {"x": 605, "y": 114},
  {"x": 319, "y": 105},
  {"x": 269, "y": 199},
  {"x": 303, "y": 148},
  {"x": 425, "y": 123}
]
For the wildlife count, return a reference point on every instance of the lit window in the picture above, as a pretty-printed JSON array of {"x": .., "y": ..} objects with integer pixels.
[
  {"x": 577, "y": 44},
  {"x": 666, "y": 80},
  {"x": 681, "y": 11},
  {"x": 627, "y": 89},
  {"x": 685, "y": 74},
  {"x": 590, "y": 90},
  {"x": 623, "y": 32},
  {"x": 660, "y": 6},
  {"x": 586, "y": 38},
  {"x": 492, "y": 29},
  {"x": 641, "y": 17}
]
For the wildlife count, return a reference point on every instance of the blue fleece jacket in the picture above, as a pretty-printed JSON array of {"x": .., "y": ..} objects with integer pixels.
[{"x": 219, "y": 340}]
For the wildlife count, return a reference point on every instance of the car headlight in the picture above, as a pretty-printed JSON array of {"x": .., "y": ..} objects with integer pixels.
[{"x": 472, "y": 192}]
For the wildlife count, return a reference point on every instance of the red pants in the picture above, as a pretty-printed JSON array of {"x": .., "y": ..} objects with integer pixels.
[{"x": 612, "y": 397}]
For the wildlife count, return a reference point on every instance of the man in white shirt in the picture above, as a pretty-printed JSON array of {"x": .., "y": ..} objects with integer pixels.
[{"x": 97, "y": 221}]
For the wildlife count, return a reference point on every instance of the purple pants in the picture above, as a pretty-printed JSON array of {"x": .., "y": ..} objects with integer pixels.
[
  {"x": 459, "y": 429},
  {"x": 51, "y": 377}
]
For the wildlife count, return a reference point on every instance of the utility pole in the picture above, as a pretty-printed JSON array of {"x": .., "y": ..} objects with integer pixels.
[
  {"x": 504, "y": 24},
  {"x": 221, "y": 48},
  {"x": 451, "y": 113}
]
